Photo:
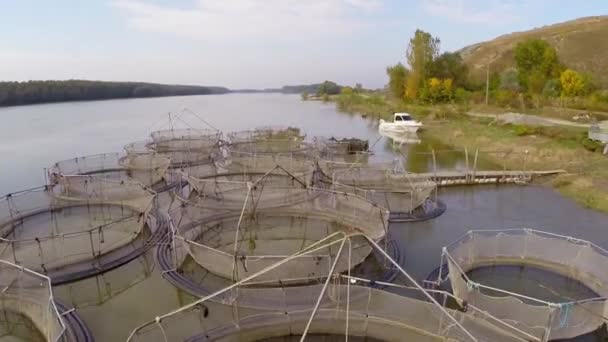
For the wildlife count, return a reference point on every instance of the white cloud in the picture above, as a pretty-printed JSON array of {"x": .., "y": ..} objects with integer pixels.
[
  {"x": 491, "y": 12},
  {"x": 213, "y": 20}
]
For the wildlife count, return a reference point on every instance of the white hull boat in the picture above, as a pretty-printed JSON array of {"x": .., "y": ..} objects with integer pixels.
[{"x": 402, "y": 122}]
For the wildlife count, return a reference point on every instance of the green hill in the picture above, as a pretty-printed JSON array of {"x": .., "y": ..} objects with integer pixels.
[{"x": 582, "y": 44}]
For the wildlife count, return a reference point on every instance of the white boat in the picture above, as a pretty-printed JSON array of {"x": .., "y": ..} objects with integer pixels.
[{"x": 402, "y": 122}]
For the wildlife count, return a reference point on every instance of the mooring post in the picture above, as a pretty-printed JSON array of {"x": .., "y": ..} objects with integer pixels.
[
  {"x": 434, "y": 164},
  {"x": 466, "y": 161},
  {"x": 475, "y": 163},
  {"x": 504, "y": 166}
]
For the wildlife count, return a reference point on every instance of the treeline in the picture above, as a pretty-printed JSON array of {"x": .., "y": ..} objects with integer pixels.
[
  {"x": 538, "y": 78},
  {"x": 32, "y": 92}
]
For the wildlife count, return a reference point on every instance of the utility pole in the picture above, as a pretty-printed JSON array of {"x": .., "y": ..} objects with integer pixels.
[{"x": 487, "y": 82}]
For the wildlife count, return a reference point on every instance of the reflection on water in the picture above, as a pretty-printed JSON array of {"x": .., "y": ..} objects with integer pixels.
[{"x": 530, "y": 281}]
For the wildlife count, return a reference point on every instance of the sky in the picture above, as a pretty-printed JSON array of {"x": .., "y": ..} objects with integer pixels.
[{"x": 249, "y": 43}]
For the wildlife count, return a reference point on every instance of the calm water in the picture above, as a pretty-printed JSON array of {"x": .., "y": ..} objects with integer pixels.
[{"x": 34, "y": 137}]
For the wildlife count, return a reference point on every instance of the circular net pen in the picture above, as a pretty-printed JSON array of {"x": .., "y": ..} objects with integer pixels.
[
  {"x": 408, "y": 196},
  {"x": 272, "y": 188},
  {"x": 340, "y": 305},
  {"x": 252, "y": 163},
  {"x": 68, "y": 238},
  {"x": 29, "y": 311},
  {"x": 271, "y": 222},
  {"x": 561, "y": 317},
  {"x": 145, "y": 168},
  {"x": 287, "y": 141},
  {"x": 184, "y": 147}
]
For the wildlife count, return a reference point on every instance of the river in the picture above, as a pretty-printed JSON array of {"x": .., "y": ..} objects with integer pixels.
[{"x": 34, "y": 137}]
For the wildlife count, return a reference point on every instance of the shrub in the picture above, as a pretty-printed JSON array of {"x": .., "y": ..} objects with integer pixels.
[
  {"x": 592, "y": 145},
  {"x": 507, "y": 98},
  {"x": 522, "y": 130}
]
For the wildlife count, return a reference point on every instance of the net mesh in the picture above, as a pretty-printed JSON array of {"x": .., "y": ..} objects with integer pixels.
[
  {"x": 570, "y": 257},
  {"x": 270, "y": 140},
  {"x": 48, "y": 233},
  {"x": 247, "y": 162},
  {"x": 185, "y": 139},
  {"x": 145, "y": 168},
  {"x": 262, "y": 221},
  {"x": 385, "y": 184},
  {"x": 29, "y": 294},
  {"x": 182, "y": 146},
  {"x": 338, "y": 306}
]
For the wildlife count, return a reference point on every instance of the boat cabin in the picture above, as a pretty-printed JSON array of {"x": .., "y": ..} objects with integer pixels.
[{"x": 399, "y": 117}]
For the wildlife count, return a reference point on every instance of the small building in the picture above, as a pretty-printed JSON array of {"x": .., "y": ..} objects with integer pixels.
[{"x": 599, "y": 132}]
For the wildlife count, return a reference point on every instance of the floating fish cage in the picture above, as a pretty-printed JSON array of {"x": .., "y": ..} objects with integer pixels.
[
  {"x": 145, "y": 168},
  {"x": 270, "y": 224},
  {"x": 184, "y": 147},
  {"x": 339, "y": 304},
  {"x": 229, "y": 191},
  {"x": 385, "y": 184},
  {"x": 247, "y": 162},
  {"x": 562, "y": 318},
  {"x": 68, "y": 237},
  {"x": 332, "y": 146},
  {"x": 287, "y": 141},
  {"x": 29, "y": 311}
]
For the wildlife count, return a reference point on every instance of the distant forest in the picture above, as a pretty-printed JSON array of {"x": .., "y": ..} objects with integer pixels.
[
  {"x": 327, "y": 87},
  {"x": 32, "y": 92}
]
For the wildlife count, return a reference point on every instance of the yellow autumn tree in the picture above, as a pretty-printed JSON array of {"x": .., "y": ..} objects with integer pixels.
[
  {"x": 573, "y": 83},
  {"x": 447, "y": 88}
]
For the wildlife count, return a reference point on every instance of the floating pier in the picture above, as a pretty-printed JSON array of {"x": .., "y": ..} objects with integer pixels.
[{"x": 449, "y": 178}]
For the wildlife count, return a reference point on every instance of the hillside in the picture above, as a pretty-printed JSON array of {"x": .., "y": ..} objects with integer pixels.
[{"x": 582, "y": 44}]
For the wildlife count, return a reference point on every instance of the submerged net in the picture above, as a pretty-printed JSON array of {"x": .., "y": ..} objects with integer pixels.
[
  {"x": 237, "y": 227},
  {"x": 339, "y": 305},
  {"x": 27, "y": 296},
  {"x": 55, "y": 234},
  {"x": 385, "y": 184},
  {"x": 145, "y": 168},
  {"x": 567, "y": 256}
]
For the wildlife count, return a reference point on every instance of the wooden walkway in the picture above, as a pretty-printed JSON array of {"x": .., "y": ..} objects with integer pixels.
[{"x": 447, "y": 178}]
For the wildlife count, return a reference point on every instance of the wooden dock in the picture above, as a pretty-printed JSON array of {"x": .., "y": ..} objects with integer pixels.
[{"x": 448, "y": 178}]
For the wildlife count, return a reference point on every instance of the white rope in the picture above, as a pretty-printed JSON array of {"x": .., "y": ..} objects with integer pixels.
[{"x": 320, "y": 298}]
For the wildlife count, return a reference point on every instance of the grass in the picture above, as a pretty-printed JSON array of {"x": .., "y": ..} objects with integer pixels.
[
  {"x": 586, "y": 180},
  {"x": 540, "y": 148}
]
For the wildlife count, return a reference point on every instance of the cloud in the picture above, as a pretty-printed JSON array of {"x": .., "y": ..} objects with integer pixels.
[
  {"x": 212, "y": 20},
  {"x": 491, "y": 12}
]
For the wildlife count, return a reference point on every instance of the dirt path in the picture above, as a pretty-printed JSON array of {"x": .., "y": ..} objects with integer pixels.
[{"x": 531, "y": 120}]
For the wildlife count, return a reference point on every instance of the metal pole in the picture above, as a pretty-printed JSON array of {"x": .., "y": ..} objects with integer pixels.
[
  {"x": 350, "y": 249},
  {"x": 475, "y": 162},
  {"x": 466, "y": 160},
  {"x": 434, "y": 163}
]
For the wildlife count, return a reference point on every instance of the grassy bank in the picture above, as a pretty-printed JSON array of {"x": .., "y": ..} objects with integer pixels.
[{"x": 520, "y": 146}]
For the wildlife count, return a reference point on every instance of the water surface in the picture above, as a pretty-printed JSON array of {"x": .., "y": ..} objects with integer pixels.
[{"x": 34, "y": 137}]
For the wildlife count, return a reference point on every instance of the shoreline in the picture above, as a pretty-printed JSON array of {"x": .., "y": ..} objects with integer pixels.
[{"x": 586, "y": 180}]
